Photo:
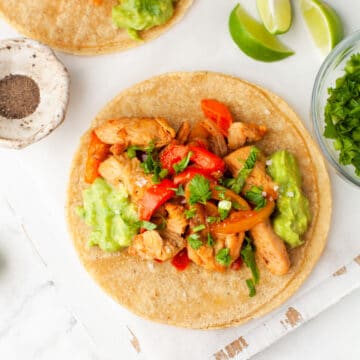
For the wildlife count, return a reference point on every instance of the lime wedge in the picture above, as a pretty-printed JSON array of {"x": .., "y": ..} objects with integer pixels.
[
  {"x": 323, "y": 22},
  {"x": 275, "y": 14},
  {"x": 253, "y": 39}
]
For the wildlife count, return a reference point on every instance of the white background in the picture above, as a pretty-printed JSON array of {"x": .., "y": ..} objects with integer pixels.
[{"x": 36, "y": 317}]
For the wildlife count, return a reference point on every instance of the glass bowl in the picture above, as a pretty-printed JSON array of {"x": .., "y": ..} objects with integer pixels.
[{"x": 332, "y": 69}]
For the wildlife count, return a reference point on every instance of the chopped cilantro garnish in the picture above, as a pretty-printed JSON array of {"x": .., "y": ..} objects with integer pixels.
[
  {"x": 179, "y": 191},
  {"x": 223, "y": 257},
  {"x": 251, "y": 286},
  {"x": 236, "y": 184},
  {"x": 224, "y": 207},
  {"x": 255, "y": 196},
  {"x": 248, "y": 255},
  {"x": 198, "y": 228},
  {"x": 152, "y": 165},
  {"x": 131, "y": 151},
  {"x": 148, "y": 225},
  {"x": 199, "y": 189},
  {"x": 221, "y": 191},
  {"x": 194, "y": 241},
  {"x": 189, "y": 214},
  {"x": 210, "y": 240},
  {"x": 236, "y": 205},
  {"x": 213, "y": 219},
  {"x": 342, "y": 112},
  {"x": 182, "y": 164}
]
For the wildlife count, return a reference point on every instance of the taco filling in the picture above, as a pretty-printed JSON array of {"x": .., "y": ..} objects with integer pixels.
[{"x": 205, "y": 194}]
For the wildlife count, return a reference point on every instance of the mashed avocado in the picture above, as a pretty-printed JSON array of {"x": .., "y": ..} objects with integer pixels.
[
  {"x": 293, "y": 213},
  {"x": 111, "y": 215},
  {"x": 135, "y": 15}
]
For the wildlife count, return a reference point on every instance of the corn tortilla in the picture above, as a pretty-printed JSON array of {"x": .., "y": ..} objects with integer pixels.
[
  {"x": 78, "y": 26},
  {"x": 196, "y": 298}
]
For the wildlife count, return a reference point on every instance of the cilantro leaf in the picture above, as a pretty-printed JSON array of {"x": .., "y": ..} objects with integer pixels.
[
  {"x": 198, "y": 228},
  {"x": 190, "y": 213},
  {"x": 223, "y": 257},
  {"x": 236, "y": 184},
  {"x": 131, "y": 151},
  {"x": 213, "y": 219},
  {"x": 199, "y": 189},
  {"x": 251, "y": 286},
  {"x": 182, "y": 164},
  {"x": 255, "y": 196},
  {"x": 210, "y": 240},
  {"x": 152, "y": 165},
  {"x": 248, "y": 255},
  {"x": 194, "y": 241},
  {"x": 179, "y": 191},
  {"x": 148, "y": 225}
]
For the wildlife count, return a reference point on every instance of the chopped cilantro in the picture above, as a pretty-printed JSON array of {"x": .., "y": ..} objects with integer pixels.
[
  {"x": 255, "y": 196},
  {"x": 182, "y": 164},
  {"x": 236, "y": 184},
  {"x": 248, "y": 255},
  {"x": 148, "y": 225},
  {"x": 199, "y": 228},
  {"x": 179, "y": 191},
  {"x": 221, "y": 191},
  {"x": 213, "y": 219},
  {"x": 131, "y": 151},
  {"x": 194, "y": 241},
  {"x": 224, "y": 207},
  {"x": 251, "y": 286},
  {"x": 342, "y": 113},
  {"x": 199, "y": 189},
  {"x": 152, "y": 165},
  {"x": 236, "y": 205},
  {"x": 210, "y": 240},
  {"x": 223, "y": 257},
  {"x": 189, "y": 214}
]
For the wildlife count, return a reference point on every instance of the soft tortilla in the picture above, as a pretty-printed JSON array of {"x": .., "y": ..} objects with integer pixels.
[
  {"x": 78, "y": 26},
  {"x": 196, "y": 298}
]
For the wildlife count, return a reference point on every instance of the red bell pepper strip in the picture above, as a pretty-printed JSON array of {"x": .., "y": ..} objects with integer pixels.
[
  {"x": 154, "y": 197},
  {"x": 219, "y": 113},
  {"x": 207, "y": 160},
  {"x": 181, "y": 260},
  {"x": 236, "y": 265},
  {"x": 171, "y": 155},
  {"x": 97, "y": 153},
  {"x": 185, "y": 176}
]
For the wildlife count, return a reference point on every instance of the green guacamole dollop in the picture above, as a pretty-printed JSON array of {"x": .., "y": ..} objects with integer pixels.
[
  {"x": 136, "y": 15},
  {"x": 293, "y": 213},
  {"x": 111, "y": 215}
]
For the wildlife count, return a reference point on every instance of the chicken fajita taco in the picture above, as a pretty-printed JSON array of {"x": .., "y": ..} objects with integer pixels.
[
  {"x": 198, "y": 200},
  {"x": 91, "y": 27}
]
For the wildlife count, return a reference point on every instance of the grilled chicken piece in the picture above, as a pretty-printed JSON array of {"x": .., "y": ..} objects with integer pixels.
[
  {"x": 270, "y": 248},
  {"x": 205, "y": 255},
  {"x": 136, "y": 131},
  {"x": 241, "y": 133},
  {"x": 176, "y": 221},
  {"x": 121, "y": 169},
  {"x": 150, "y": 245},
  {"x": 257, "y": 177},
  {"x": 183, "y": 133}
]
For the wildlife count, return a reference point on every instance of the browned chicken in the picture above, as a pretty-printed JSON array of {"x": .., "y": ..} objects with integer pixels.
[
  {"x": 121, "y": 169},
  {"x": 136, "y": 131},
  {"x": 241, "y": 133},
  {"x": 258, "y": 177},
  {"x": 150, "y": 245},
  {"x": 205, "y": 255},
  {"x": 270, "y": 248},
  {"x": 183, "y": 133},
  {"x": 175, "y": 221}
]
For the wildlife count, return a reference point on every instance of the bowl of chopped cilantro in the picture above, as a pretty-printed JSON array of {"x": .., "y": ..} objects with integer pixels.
[{"x": 335, "y": 108}]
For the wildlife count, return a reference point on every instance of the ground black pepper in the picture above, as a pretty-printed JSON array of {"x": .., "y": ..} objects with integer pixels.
[{"x": 19, "y": 96}]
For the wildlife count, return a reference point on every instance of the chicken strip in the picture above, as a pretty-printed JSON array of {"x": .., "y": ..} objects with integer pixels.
[
  {"x": 136, "y": 131},
  {"x": 176, "y": 221},
  {"x": 258, "y": 176},
  {"x": 183, "y": 133},
  {"x": 270, "y": 248},
  {"x": 121, "y": 169},
  {"x": 150, "y": 245},
  {"x": 241, "y": 133}
]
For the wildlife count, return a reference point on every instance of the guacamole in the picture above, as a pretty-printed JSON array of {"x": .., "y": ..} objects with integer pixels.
[
  {"x": 136, "y": 15},
  {"x": 293, "y": 212},
  {"x": 111, "y": 215}
]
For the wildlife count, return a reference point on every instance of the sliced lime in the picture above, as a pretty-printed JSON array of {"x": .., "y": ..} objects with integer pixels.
[
  {"x": 275, "y": 14},
  {"x": 253, "y": 39},
  {"x": 323, "y": 22}
]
